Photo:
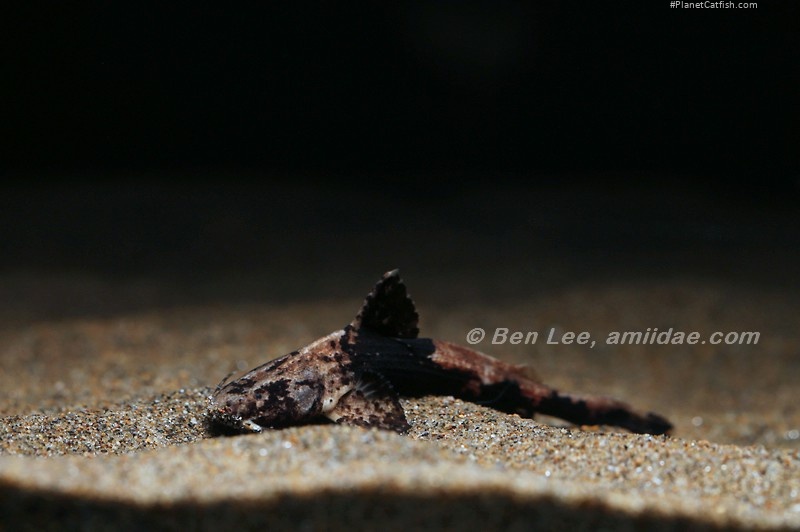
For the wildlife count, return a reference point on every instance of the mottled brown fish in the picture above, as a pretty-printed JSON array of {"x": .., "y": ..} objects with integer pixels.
[{"x": 355, "y": 376}]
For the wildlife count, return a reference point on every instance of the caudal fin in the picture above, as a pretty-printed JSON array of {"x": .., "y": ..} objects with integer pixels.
[{"x": 601, "y": 411}]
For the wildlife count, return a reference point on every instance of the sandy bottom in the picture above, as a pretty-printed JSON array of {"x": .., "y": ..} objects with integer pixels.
[{"x": 103, "y": 421}]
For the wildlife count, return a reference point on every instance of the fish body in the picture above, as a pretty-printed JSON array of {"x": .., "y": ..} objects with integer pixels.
[{"x": 355, "y": 376}]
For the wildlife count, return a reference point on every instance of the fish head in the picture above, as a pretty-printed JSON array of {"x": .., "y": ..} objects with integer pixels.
[{"x": 268, "y": 396}]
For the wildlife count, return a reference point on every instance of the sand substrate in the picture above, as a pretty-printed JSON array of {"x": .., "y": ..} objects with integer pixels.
[{"x": 103, "y": 423}]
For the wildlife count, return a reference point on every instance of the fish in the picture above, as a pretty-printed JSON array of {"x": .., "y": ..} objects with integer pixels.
[{"x": 356, "y": 376}]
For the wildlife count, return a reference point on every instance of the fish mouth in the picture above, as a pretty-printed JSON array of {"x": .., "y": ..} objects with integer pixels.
[
  {"x": 225, "y": 419},
  {"x": 223, "y": 422}
]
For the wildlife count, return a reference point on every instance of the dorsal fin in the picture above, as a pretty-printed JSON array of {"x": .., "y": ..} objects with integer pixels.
[{"x": 388, "y": 310}]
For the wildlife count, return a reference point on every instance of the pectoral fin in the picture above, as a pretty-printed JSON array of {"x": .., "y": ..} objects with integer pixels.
[{"x": 372, "y": 403}]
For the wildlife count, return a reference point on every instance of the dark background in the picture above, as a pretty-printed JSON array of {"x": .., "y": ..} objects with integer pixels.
[{"x": 556, "y": 139}]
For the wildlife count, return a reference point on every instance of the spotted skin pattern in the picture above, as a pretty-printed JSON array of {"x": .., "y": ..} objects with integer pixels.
[{"x": 355, "y": 375}]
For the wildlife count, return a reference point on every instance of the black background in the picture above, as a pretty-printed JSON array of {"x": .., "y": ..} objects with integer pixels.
[{"x": 209, "y": 137}]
